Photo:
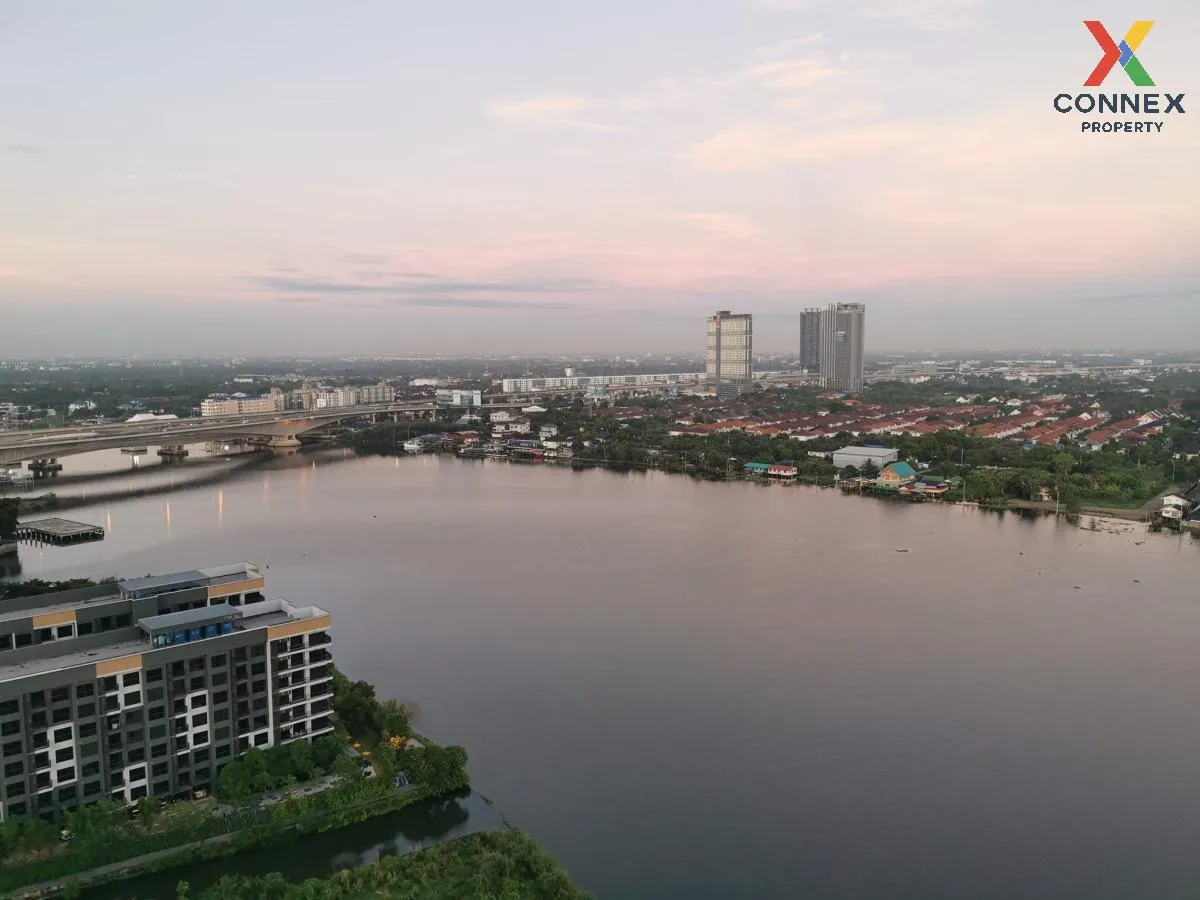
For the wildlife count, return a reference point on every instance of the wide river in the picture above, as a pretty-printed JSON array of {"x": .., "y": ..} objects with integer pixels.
[{"x": 693, "y": 690}]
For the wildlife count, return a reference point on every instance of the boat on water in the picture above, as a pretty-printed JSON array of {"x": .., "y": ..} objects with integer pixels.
[
  {"x": 495, "y": 451},
  {"x": 426, "y": 443}
]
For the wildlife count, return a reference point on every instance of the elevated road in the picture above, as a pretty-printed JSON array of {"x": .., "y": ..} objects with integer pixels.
[{"x": 278, "y": 428}]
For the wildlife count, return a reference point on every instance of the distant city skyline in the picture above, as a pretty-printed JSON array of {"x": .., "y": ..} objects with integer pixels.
[{"x": 471, "y": 177}]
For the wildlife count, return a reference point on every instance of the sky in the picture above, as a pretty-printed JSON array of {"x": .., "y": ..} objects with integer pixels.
[{"x": 492, "y": 176}]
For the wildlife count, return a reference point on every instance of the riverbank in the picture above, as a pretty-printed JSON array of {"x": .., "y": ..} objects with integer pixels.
[{"x": 506, "y": 863}]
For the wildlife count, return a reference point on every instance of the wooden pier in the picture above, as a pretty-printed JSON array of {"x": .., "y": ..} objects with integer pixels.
[{"x": 59, "y": 532}]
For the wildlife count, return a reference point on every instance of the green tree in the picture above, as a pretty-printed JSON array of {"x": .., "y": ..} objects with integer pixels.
[
  {"x": 870, "y": 470},
  {"x": 148, "y": 811},
  {"x": 349, "y": 767},
  {"x": 355, "y": 705}
]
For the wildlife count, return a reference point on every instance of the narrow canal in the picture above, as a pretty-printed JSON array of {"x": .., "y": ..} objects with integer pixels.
[{"x": 318, "y": 855}]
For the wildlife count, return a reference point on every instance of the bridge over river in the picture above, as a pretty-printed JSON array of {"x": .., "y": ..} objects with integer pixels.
[{"x": 276, "y": 429}]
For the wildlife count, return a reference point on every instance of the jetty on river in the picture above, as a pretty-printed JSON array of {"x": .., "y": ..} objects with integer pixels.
[{"x": 59, "y": 531}]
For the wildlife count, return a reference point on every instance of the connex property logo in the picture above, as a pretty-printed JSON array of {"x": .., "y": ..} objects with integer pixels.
[
  {"x": 1121, "y": 104},
  {"x": 1120, "y": 53}
]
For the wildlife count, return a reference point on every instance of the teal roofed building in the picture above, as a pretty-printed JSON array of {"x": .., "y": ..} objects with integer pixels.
[
  {"x": 756, "y": 468},
  {"x": 897, "y": 473}
]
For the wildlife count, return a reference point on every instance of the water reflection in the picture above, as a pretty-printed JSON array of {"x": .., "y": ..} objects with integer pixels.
[{"x": 320, "y": 855}]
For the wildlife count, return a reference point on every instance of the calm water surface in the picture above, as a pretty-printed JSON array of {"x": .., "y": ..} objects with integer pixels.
[{"x": 724, "y": 690}]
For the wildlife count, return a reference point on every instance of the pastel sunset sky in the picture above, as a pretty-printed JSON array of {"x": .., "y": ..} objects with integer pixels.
[{"x": 490, "y": 176}]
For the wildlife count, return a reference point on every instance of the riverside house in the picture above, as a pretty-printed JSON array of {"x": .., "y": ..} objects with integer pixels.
[{"x": 896, "y": 474}]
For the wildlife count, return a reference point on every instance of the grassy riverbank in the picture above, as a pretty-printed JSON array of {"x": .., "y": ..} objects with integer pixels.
[{"x": 501, "y": 864}]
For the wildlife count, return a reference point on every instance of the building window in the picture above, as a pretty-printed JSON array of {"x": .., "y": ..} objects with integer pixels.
[
  {"x": 10, "y": 728},
  {"x": 124, "y": 620},
  {"x": 161, "y": 787},
  {"x": 84, "y": 690},
  {"x": 220, "y": 697},
  {"x": 109, "y": 683},
  {"x": 9, "y": 707},
  {"x": 130, "y": 678},
  {"x": 133, "y": 698},
  {"x": 67, "y": 794},
  {"x": 178, "y": 668},
  {"x": 138, "y": 792},
  {"x": 38, "y": 719},
  {"x": 258, "y": 669},
  {"x": 37, "y": 699},
  {"x": 196, "y": 665},
  {"x": 199, "y": 700},
  {"x": 24, "y": 639},
  {"x": 218, "y": 660},
  {"x": 92, "y": 768},
  {"x": 198, "y": 683},
  {"x": 260, "y": 740},
  {"x": 87, "y": 709},
  {"x": 136, "y": 754},
  {"x": 222, "y": 751},
  {"x": 17, "y": 809},
  {"x": 62, "y": 735},
  {"x": 66, "y": 631},
  {"x": 6, "y": 641},
  {"x": 138, "y": 774},
  {"x": 60, "y": 695},
  {"x": 199, "y": 719},
  {"x": 158, "y": 731},
  {"x": 44, "y": 635},
  {"x": 41, "y": 760},
  {"x": 221, "y": 734},
  {"x": 219, "y": 678},
  {"x": 89, "y": 749},
  {"x": 158, "y": 750},
  {"x": 87, "y": 729},
  {"x": 153, "y": 675},
  {"x": 200, "y": 737},
  {"x": 160, "y": 769},
  {"x": 156, "y": 713},
  {"x": 65, "y": 774},
  {"x": 14, "y": 768},
  {"x": 63, "y": 714},
  {"x": 154, "y": 694},
  {"x": 64, "y": 754},
  {"x": 42, "y": 781},
  {"x": 116, "y": 761},
  {"x": 85, "y": 628},
  {"x": 15, "y": 790}
]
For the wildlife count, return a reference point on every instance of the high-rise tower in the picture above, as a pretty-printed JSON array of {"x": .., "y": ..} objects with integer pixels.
[
  {"x": 730, "y": 367},
  {"x": 842, "y": 336}
]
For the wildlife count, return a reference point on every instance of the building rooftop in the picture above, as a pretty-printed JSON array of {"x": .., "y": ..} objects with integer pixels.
[
  {"x": 188, "y": 618},
  {"x": 263, "y": 614},
  {"x": 155, "y": 582},
  {"x": 70, "y": 659}
]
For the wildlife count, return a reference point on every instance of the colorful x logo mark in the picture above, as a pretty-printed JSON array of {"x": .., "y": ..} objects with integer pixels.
[{"x": 1120, "y": 53}]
